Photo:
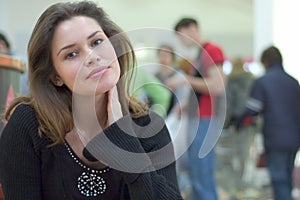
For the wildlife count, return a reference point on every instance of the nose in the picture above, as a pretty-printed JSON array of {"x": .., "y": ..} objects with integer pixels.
[{"x": 91, "y": 58}]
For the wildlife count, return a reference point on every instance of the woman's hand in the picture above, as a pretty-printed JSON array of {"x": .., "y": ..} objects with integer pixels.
[{"x": 114, "y": 111}]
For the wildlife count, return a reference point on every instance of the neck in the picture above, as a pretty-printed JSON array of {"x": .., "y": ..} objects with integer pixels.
[{"x": 90, "y": 114}]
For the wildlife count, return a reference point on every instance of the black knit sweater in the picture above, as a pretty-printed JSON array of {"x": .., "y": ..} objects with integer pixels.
[{"x": 30, "y": 170}]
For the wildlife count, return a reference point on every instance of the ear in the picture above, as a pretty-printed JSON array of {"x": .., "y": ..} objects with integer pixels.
[{"x": 56, "y": 80}]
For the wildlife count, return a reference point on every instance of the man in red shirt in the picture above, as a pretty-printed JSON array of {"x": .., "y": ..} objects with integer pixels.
[{"x": 207, "y": 81}]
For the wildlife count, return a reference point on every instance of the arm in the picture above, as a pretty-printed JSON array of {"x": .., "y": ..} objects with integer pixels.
[
  {"x": 161, "y": 181},
  {"x": 254, "y": 105},
  {"x": 147, "y": 168},
  {"x": 214, "y": 83},
  {"x": 159, "y": 184},
  {"x": 211, "y": 60},
  {"x": 19, "y": 163}
]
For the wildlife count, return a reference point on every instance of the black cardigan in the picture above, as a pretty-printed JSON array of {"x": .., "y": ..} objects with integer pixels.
[{"x": 31, "y": 170}]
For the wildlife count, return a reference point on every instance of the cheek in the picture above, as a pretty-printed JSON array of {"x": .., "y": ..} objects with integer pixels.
[
  {"x": 118, "y": 70},
  {"x": 113, "y": 76},
  {"x": 70, "y": 79},
  {"x": 68, "y": 74}
]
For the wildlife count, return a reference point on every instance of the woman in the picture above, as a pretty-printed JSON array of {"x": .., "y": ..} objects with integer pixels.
[{"x": 79, "y": 135}]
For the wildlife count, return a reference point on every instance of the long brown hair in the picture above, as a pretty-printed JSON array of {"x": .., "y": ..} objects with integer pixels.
[{"x": 53, "y": 104}]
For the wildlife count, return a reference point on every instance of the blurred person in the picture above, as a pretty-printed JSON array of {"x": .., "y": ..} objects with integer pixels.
[
  {"x": 207, "y": 81},
  {"x": 149, "y": 89},
  {"x": 166, "y": 60},
  {"x": 78, "y": 134},
  {"x": 276, "y": 96},
  {"x": 4, "y": 44},
  {"x": 238, "y": 87},
  {"x": 167, "y": 69}
]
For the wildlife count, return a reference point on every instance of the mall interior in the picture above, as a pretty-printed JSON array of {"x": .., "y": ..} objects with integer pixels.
[{"x": 242, "y": 28}]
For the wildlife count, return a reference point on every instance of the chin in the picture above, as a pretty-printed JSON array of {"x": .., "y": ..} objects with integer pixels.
[{"x": 105, "y": 86}]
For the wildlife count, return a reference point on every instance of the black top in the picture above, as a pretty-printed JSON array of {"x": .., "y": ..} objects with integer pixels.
[
  {"x": 106, "y": 183},
  {"x": 30, "y": 169}
]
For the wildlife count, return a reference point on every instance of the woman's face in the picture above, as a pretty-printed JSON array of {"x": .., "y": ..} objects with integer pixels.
[{"x": 83, "y": 57}]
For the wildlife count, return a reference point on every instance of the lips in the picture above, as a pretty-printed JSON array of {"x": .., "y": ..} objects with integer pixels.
[{"x": 97, "y": 72}]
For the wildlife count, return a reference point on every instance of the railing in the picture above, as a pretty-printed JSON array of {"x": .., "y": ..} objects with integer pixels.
[{"x": 11, "y": 63}]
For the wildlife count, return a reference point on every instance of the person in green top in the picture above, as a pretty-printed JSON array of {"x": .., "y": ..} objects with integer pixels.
[{"x": 149, "y": 88}]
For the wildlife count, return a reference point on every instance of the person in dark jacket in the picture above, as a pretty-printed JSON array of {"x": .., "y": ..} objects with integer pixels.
[
  {"x": 78, "y": 134},
  {"x": 276, "y": 96}
]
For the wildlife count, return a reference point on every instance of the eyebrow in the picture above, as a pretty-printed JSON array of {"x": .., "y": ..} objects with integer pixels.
[{"x": 71, "y": 45}]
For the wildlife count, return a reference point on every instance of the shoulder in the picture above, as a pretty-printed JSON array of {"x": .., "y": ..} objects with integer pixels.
[
  {"x": 23, "y": 117},
  {"x": 259, "y": 85},
  {"x": 291, "y": 78},
  {"x": 214, "y": 52},
  {"x": 211, "y": 47},
  {"x": 22, "y": 126},
  {"x": 261, "y": 79}
]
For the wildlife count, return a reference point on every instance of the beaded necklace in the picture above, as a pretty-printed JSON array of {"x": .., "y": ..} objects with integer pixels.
[{"x": 89, "y": 183}]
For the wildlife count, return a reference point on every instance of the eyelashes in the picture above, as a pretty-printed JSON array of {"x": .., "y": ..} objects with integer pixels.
[
  {"x": 71, "y": 55},
  {"x": 96, "y": 42},
  {"x": 74, "y": 53}
]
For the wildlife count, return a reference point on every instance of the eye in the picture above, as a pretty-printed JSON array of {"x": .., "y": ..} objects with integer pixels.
[
  {"x": 96, "y": 42},
  {"x": 71, "y": 55}
]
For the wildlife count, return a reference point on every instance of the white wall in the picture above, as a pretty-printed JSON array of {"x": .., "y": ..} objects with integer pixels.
[
  {"x": 276, "y": 24},
  {"x": 287, "y": 34},
  {"x": 227, "y": 22}
]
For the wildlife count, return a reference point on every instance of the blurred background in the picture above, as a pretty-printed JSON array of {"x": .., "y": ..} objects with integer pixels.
[
  {"x": 242, "y": 27},
  {"x": 228, "y": 22}
]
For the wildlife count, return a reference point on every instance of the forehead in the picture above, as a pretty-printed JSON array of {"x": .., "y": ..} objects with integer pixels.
[
  {"x": 186, "y": 28},
  {"x": 78, "y": 23},
  {"x": 164, "y": 52},
  {"x": 74, "y": 30}
]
